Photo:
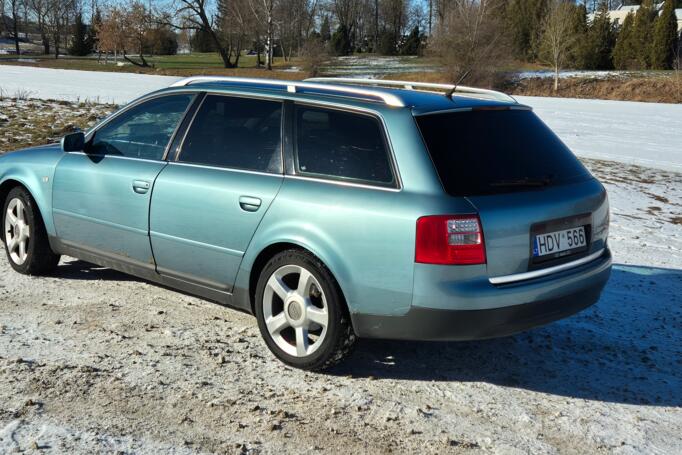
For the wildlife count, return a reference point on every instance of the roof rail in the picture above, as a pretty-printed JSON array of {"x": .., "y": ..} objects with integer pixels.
[
  {"x": 407, "y": 85},
  {"x": 296, "y": 86}
]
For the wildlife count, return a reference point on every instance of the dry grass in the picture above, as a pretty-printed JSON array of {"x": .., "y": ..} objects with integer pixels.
[
  {"x": 651, "y": 89},
  {"x": 25, "y": 123}
]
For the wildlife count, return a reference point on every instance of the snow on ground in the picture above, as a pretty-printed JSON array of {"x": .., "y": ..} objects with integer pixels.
[
  {"x": 588, "y": 74},
  {"x": 73, "y": 85},
  {"x": 372, "y": 67},
  {"x": 92, "y": 360},
  {"x": 648, "y": 134}
]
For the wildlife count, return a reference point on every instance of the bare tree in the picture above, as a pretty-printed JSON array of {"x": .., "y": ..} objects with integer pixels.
[
  {"x": 14, "y": 14},
  {"x": 136, "y": 27},
  {"x": 470, "y": 40},
  {"x": 557, "y": 36},
  {"x": 39, "y": 9},
  {"x": 263, "y": 10},
  {"x": 236, "y": 24},
  {"x": 197, "y": 17},
  {"x": 111, "y": 33},
  {"x": 58, "y": 15}
]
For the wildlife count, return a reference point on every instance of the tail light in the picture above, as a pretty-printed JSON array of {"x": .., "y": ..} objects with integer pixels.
[{"x": 450, "y": 239}]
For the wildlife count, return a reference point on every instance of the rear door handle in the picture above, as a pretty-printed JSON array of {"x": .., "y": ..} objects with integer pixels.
[
  {"x": 249, "y": 203},
  {"x": 141, "y": 186}
]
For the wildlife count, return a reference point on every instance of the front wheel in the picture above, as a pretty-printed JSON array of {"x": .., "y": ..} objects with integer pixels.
[
  {"x": 26, "y": 243},
  {"x": 301, "y": 312}
]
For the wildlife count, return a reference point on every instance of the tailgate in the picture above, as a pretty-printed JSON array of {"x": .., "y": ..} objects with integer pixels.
[{"x": 511, "y": 222}]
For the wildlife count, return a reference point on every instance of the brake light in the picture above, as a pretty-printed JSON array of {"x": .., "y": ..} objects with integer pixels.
[{"x": 449, "y": 239}]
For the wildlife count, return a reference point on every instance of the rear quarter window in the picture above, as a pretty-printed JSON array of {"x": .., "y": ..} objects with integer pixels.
[
  {"x": 494, "y": 151},
  {"x": 342, "y": 146}
]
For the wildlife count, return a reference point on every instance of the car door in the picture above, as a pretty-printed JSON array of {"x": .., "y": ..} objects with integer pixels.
[
  {"x": 101, "y": 196},
  {"x": 208, "y": 203}
]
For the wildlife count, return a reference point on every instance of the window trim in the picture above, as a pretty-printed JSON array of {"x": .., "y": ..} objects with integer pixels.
[
  {"x": 282, "y": 133},
  {"x": 92, "y": 133},
  {"x": 394, "y": 185}
]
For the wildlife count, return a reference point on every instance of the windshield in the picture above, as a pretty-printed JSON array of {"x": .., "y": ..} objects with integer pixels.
[{"x": 495, "y": 151}]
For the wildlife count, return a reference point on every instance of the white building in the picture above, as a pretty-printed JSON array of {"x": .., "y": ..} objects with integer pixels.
[{"x": 618, "y": 15}]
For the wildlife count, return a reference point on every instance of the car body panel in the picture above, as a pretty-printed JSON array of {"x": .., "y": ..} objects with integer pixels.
[
  {"x": 507, "y": 220},
  {"x": 199, "y": 232},
  {"x": 364, "y": 234},
  {"x": 95, "y": 205},
  {"x": 34, "y": 168}
]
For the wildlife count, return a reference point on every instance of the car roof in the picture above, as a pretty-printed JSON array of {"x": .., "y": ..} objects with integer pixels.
[{"x": 358, "y": 92}]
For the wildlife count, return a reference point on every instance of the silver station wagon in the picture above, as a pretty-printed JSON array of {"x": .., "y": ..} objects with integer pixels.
[{"x": 331, "y": 209}]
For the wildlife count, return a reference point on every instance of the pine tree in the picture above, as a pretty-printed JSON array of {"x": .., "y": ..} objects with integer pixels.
[
  {"x": 642, "y": 33},
  {"x": 600, "y": 42},
  {"x": 579, "y": 27},
  {"x": 413, "y": 43},
  {"x": 525, "y": 19},
  {"x": 325, "y": 30},
  {"x": 665, "y": 38},
  {"x": 623, "y": 52},
  {"x": 340, "y": 42},
  {"x": 96, "y": 23},
  {"x": 81, "y": 44}
]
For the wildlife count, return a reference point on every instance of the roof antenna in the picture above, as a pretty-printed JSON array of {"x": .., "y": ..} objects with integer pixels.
[{"x": 454, "y": 87}]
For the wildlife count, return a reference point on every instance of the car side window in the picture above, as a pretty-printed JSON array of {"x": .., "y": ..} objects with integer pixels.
[
  {"x": 341, "y": 145},
  {"x": 142, "y": 131},
  {"x": 240, "y": 133}
]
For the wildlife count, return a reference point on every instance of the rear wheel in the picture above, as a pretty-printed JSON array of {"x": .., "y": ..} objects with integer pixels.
[
  {"x": 26, "y": 244},
  {"x": 301, "y": 312}
]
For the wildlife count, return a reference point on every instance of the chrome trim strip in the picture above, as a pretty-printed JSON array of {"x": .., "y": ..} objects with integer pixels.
[
  {"x": 291, "y": 86},
  {"x": 343, "y": 183},
  {"x": 506, "y": 279}
]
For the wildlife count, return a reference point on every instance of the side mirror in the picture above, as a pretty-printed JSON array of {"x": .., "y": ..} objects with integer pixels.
[{"x": 74, "y": 142}]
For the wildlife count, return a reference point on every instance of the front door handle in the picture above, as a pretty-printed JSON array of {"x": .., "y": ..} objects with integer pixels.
[
  {"x": 141, "y": 186},
  {"x": 249, "y": 203}
]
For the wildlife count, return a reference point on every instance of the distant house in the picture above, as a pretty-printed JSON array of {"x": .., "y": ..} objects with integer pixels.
[{"x": 618, "y": 15}]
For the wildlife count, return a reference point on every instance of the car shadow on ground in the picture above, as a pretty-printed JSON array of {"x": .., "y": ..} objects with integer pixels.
[
  {"x": 75, "y": 269},
  {"x": 625, "y": 349}
]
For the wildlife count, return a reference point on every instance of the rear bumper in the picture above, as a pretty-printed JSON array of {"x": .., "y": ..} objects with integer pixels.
[{"x": 544, "y": 302}]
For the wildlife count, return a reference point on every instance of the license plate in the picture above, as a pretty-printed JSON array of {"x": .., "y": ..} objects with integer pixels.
[{"x": 558, "y": 241}]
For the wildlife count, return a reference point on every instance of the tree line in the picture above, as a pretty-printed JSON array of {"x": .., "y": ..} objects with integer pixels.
[{"x": 474, "y": 39}]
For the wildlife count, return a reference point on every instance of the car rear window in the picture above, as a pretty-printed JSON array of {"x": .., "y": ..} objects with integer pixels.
[{"x": 494, "y": 151}]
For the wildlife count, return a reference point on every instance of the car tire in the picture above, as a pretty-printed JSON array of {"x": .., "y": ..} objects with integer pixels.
[
  {"x": 24, "y": 235},
  {"x": 301, "y": 312}
]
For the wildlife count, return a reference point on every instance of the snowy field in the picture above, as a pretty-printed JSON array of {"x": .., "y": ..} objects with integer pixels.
[
  {"x": 92, "y": 360},
  {"x": 649, "y": 134}
]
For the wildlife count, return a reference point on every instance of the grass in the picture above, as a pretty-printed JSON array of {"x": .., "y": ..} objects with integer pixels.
[
  {"x": 25, "y": 123},
  {"x": 172, "y": 65}
]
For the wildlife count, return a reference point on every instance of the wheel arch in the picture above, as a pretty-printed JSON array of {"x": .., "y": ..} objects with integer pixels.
[
  {"x": 271, "y": 250},
  {"x": 14, "y": 181}
]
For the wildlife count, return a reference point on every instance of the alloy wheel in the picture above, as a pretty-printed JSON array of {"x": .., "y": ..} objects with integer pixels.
[
  {"x": 295, "y": 310},
  {"x": 17, "y": 231}
]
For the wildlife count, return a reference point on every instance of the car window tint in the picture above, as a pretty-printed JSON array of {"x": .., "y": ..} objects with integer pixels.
[
  {"x": 342, "y": 145},
  {"x": 143, "y": 131},
  {"x": 497, "y": 151},
  {"x": 240, "y": 133}
]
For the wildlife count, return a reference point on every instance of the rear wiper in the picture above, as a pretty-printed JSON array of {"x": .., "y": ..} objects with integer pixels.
[{"x": 524, "y": 182}]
